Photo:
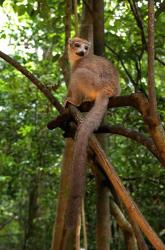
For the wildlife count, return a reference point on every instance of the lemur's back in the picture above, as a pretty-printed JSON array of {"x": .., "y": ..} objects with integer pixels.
[{"x": 91, "y": 76}]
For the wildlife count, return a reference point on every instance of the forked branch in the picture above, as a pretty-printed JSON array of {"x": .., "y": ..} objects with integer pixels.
[{"x": 111, "y": 174}]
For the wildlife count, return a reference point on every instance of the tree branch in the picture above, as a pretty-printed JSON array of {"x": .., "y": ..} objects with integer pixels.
[
  {"x": 151, "y": 80},
  {"x": 112, "y": 176},
  {"x": 159, "y": 60},
  {"x": 132, "y": 134},
  {"x": 136, "y": 14},
  {"x": 140, "y": 102},
  {"x": 75, "y": 18},
  {"x": 123, "y": 65},
  {"x": 139, "y": 22},
  {"x": 63, "y": 61},
  {"x": 7, "y": 221},
  {"x": 63, "y": 120},
  {"x": 125, "y": 226},
  {"x": 160, "y": 9},
  {"x": 34, "y": 80},
  {"x": 89, "y": 8},
  {"x": 138, "y": 234}
]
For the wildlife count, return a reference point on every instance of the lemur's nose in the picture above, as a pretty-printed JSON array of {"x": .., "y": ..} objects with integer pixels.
[{"x": 81, "y": 53}]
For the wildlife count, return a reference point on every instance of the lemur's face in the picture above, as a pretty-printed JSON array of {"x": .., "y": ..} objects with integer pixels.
[{"x": 79, "y": 47}]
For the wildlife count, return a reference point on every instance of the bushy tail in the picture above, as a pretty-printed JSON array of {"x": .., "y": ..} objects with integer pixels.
[{"x": 89, "y": 124}]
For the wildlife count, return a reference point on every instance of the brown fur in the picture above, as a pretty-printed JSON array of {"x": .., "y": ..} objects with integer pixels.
[{"x": 93, "y": 78}]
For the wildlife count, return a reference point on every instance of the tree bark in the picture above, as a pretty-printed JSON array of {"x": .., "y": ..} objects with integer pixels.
[
  {"x": 86, "y": 29},
  {"x": 139, "y": 237},
  {"x": 103, "y": 231},
  {"x": 151, "y": 55},
  {"x": 58, "y": 232},
  {"x": 111, "y": 174},
  {"x": 129, "y": 236},
  {"x": 98, "y": 27},
  {"x": 103, "y": 234}
]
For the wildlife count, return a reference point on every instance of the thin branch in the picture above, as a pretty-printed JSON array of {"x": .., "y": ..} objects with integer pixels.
[
  {"x": 125, "y": 226},
  {"x": 123, "y": 65},
  {"x": 160, "y": 9},
  {"x": 63, "y": 61},
  {"x": 159, "y": 60},
  {"x": 34, "y": 80},
  {"x": 138, "y": 70},
  {"x": 151, "y": 80},
  {"x": 75, "y": 18},
  {"x": 68, "y": 11},
  {"x": 139, "y": 236},
  {"x": 132, "y": 134},
  {"x": 139, "y": 22},
  {"x": 7, "y": 222},
  {"x": 136, "y": 14}
]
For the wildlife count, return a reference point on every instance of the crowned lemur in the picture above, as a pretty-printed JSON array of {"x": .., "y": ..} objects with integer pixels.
[{"x": 93, "y": 78}]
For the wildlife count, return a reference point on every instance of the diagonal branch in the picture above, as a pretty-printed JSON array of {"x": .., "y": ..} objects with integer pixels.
[
  {"x": 34, "y": 80},
  {"x": 160, "y": 9},
  {"x": 112, "y": 176},
  {"x": 136, "y": 14},
  {"x": 139, "y": 22},
  {"x": 123, "y": 65},
  {"x": 125, "y": 226},
  {"x": 132, "y": 134},
  {"x": 159, "y": 60}
]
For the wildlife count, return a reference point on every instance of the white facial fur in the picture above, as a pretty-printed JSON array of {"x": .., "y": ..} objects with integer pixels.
[{"x": 79, "y": 46}]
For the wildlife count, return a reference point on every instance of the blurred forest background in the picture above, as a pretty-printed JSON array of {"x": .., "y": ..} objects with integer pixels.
[{"x": 33, "y": 32}]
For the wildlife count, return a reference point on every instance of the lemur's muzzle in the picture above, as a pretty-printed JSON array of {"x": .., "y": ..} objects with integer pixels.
[{"x": 81, "y": 53}]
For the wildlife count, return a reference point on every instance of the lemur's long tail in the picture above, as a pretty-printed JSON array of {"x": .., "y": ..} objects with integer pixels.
[{"x": 89, "y": 124}]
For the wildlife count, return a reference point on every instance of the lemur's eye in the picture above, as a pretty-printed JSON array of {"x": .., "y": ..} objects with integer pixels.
[
  {"x": 77, "y": 45},
  {"x": 86, "y": 47}
]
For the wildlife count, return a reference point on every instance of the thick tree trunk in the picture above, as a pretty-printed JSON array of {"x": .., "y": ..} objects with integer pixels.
[
  {"x": 103, "y": 213},
  {"x": 63, "y": 196},
  {"x": 86, "y": 29},
  {"x": 98, "y": 27},
  {"x": 103, "y": 231}
]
